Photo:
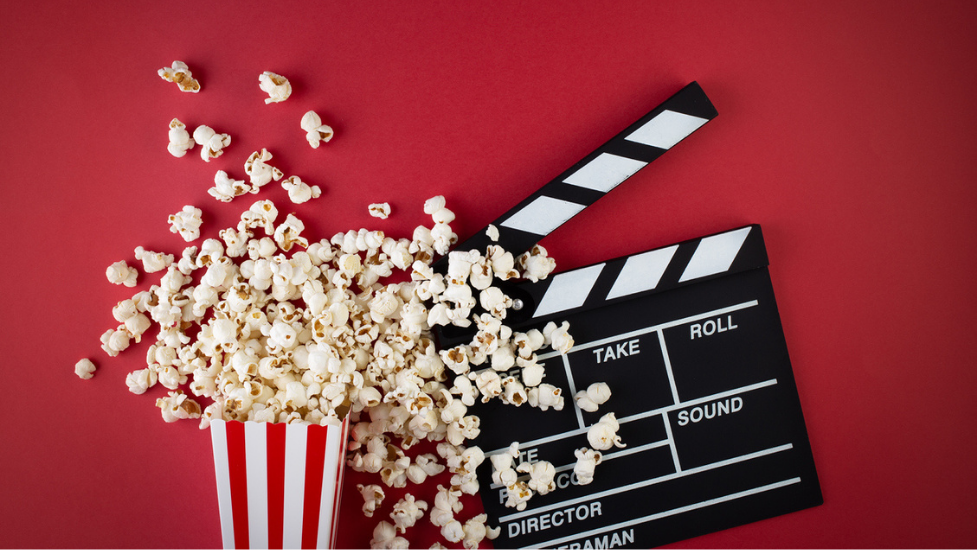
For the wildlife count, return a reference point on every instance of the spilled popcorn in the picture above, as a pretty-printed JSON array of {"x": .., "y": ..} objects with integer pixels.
[{"x": 267, "y": 324}]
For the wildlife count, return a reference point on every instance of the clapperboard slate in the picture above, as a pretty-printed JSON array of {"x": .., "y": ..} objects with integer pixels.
[{"x": 690, "y": 342}]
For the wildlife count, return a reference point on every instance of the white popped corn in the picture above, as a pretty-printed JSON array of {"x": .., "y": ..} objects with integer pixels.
[
  {"x": 186, "y": 222},
  {"x": 180, "y": 140},
  {"x": 180, "y": 74},
  {"x": 276, "y": 86},
  {"x": 84, "y": 369},
  {"x": 212, "y": 144},
  {"x": 315, "y": 131},
  {"x": 603, "y": 435},
  {"x": 380, "y": 210},
  {"x": 226, "y": 188},
  {"x": 120, "y": 273},
  {"x": 299, "y": 191}
]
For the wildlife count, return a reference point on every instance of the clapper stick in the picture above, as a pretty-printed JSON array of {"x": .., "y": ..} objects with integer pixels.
[{"x": 597, "y": 174}]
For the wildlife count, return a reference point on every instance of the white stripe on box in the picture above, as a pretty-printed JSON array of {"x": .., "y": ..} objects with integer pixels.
[
  {"x": 568, "y": 290},
  {"x": 666, "y": 129},
  {"x": 256, "y": 451},
  {"x": 295, "y": 445},
  {"x": 330, "y": 469},
  {"x": 218, "y": 437},
  {"x": 543, "y": 215},
  {"x": 714, "y": 254},
  {"x": 642, "y": 272},
  {"x": 605, "y": 172}
]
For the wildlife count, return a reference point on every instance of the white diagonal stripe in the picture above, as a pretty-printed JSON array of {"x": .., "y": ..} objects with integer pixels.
[
  {"x": 295, "y": 443},
  {"x": 543, "y": 215},
  {"x": 666, "y": 129},
  {"x": 568, "y": 290},
  {"x": 218, "y": 437},
  {"x": 642, "y": 272},
  {"x": 256, "y": 451},
  {"x": 605, "y": 172},
  {"x": 714, "y": 254},
  {"x": 330, "y": 468}
]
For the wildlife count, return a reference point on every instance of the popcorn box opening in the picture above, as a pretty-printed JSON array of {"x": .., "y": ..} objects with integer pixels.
[{"x": 278, "y": 485}]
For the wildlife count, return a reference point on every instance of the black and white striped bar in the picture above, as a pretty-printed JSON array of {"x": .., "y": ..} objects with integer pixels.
[
  {"x": 633, "y": 276},
  {"x": 646, "y": 272},
  {"x": 598, "y": 173}
]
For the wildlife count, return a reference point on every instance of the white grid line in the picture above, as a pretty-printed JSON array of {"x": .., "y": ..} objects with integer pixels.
[
  {"x": 573, "y": 392},
  {"x": 671, "y": 443},
  {"x": 668, "y": 367},
  {"x": 643, "y": 415},
  {"x": 646, "y": 330},
  {"x": 604, "y": 458},
  {"x": 673, "y": 511},
  {"x": 648, "y": 482}
]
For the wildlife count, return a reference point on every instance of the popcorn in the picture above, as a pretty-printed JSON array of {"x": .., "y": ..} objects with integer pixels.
[
  {"x": 380, "y": 210},
  {"x": 475, "y": 531},
  {"x": 558, "y": 337},
  {"x": 446, "y": 505},
  {"x": 583, "y": 469},
  {"x": 288, "y": 234},
  {"x": 170, "y": 378},
  {"x": 276, "y": 86},
  {"x": 226, "y": 188},
  {"x": 603, "y": 435},
  {"x": 518, "y": 494},
  {"x": 595, "y": 395},
  {"x": 120, "y": 273},
  {"x": 298, "y": 191},
  {"x": 453, "y": 531},
  {"x": 535, "y": 264},
  {"x": 316, "y": 131},
  {"x": 315, "y": 335},
  {"x": 136, "y": 326},
  {"x": 212, "y": 144},
  {"x": 541, "y": 476},
  {"x": 153, "y": 261},
  {"x": 407, "y": 511},
  {"x": 180, "y": 140},
  {"x": 372, "y": 498},
  {"x": 180, "y": 74},
  {"x": 259, "y": 171},
  {"x": 503, "y": 472},
  {"x": 176, "y": 405},
  {"x": 385, "y": 536},
  {"x": 186, "y": 222},
  {"x": 115, "y": 341},
  {"x": 141, "y": 380},
  {"x": 493, "y": 233},
  {"x": 84, "y": 369},
  {"x": 545, "y": 396}
]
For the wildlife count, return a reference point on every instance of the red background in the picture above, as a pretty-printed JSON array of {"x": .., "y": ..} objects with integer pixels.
[{"x": 846, "y": 129}]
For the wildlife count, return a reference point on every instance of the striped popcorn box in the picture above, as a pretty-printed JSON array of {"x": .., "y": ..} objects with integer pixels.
[{"x": 278, "y": 485}]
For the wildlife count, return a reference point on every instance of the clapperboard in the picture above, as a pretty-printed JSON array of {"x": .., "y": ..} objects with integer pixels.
[{"x": 689, "y": 340}]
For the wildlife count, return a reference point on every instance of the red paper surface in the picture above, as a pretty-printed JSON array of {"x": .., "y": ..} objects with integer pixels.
[{"x": 846, "y": 129}]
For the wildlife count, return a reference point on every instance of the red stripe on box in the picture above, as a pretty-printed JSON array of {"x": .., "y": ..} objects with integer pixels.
[
  {"x": 315, "y": 455},
  {"x": 238, "y": 474},
  {"x": 276, "y": 484},
  {"x": 337, "y": 498}
]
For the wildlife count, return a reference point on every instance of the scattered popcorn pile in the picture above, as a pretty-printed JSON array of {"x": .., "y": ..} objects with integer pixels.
[{"x": 281, "y": 329}]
